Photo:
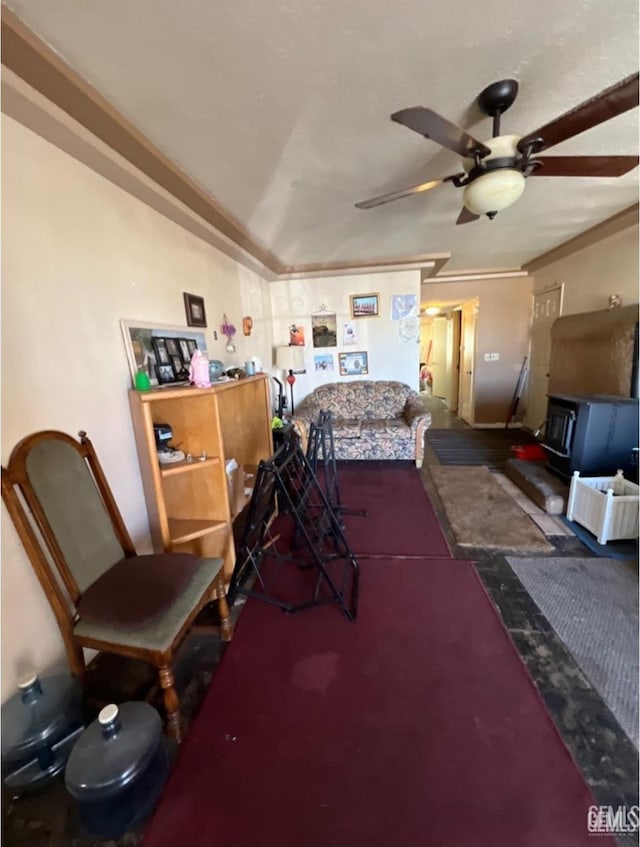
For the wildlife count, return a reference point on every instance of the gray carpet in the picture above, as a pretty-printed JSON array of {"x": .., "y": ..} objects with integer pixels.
[{"x": 593, "y": 606}]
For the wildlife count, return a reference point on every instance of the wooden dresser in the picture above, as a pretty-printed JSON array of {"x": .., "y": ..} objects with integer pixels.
[{"x": 188, "y": 502}]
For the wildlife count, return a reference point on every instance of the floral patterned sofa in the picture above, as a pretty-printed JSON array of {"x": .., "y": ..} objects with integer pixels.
[{"x": 371, "y": 419}]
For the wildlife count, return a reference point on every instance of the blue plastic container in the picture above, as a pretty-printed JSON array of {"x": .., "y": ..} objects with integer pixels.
[
  {"x": 40, "y": 725},
  {"x": 118, "y": 768}
]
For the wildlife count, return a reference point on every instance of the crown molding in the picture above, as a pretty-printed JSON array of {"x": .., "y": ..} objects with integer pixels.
[
  {"x": 40, "y": 91},
  {"x": 426, "y": 263},
  {"x": 29, "y": 58},
  {"x": 611, "y": 226},
  {"x": 466, "y": 276},
  {"x": 31, "y": 109}
]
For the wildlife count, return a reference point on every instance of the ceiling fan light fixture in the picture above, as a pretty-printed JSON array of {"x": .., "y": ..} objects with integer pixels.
[{"x": 494, "y": 191}]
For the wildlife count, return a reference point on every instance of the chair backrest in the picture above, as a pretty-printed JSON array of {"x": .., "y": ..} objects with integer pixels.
[{"x": 59, "y": 500}]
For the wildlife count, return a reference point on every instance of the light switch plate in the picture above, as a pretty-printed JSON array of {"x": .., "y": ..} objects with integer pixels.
[{"x": 492, "y": 357}]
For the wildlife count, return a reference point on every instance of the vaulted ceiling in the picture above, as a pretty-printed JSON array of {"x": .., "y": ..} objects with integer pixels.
[{"x": 280, "y": 110}]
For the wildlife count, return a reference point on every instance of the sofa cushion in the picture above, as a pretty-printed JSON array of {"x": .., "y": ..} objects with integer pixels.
[
  {"x": 397, "y": 427},
  {"x": 346, "y": 428}
]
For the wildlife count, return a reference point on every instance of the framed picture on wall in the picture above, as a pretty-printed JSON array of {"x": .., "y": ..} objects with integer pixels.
[
  {"x": 323, "y": 362},
  {"x": 365, "y": 305},
  {"x": 194, "y": 307},
  {"x": 354, "y": 364},
  {"x": 324, "y": 329}
]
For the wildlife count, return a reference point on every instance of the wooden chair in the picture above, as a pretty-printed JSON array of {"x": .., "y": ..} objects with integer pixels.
[{"x": 102, "y": 593}]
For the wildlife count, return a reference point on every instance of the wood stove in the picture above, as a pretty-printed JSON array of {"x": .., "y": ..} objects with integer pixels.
[{"x": 595, "y": 434}]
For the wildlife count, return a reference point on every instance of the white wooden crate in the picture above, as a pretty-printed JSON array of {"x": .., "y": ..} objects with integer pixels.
[{"x": 593, "y": 505}]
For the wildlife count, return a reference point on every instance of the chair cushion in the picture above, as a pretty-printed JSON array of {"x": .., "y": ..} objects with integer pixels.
[
  {"x": 160, "y": 633},
  {"x": 136, "y": 590}
]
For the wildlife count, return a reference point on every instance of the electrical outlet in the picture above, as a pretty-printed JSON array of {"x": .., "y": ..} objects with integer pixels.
[{"x": 492, "y": 357}]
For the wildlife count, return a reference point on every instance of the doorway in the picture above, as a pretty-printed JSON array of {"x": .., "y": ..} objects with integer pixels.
[
  {"x": 442, "y": 351},
  {"x": 438, "y": 364}
]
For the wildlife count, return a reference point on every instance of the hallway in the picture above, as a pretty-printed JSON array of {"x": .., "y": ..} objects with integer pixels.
[{"x": 441, "y": 417}]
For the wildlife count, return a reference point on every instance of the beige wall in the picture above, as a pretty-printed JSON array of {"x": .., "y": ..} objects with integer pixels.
[
  {"x": 502, "y": 326},
  {"x": 390, "y": 357},
  {"x": 589, "y": 276},
  {"x": 79, "y": 254}
]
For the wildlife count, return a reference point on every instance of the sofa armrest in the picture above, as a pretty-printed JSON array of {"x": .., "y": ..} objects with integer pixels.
[
  {"x": 414, "y": 412},
  {"x": 419, "y": 421},
  {"x": 304, "y": 416}
]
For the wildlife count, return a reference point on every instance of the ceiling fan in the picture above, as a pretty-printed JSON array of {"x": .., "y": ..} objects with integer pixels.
[{"x": 494, "y": 172}]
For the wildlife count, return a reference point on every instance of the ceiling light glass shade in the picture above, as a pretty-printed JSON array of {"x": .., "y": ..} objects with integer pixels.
[
  {"x": 432, "y": 310},
  {"x": 494, "y": 191}
]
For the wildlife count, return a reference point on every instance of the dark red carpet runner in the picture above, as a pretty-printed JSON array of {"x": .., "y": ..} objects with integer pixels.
[
  {"x": 400, "y": 518},
  {"x": 415, "y": 725}
]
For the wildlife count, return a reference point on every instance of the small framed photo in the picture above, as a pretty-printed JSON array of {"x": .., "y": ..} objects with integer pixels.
[
  {"x": 172, "y": 346},
  {"x": 183, "y": 343},
  {"x": 191, "y": 344},
  {"x": 161, "y": 351},
  {"x": 179, "y": 369},
  {"x": 354, "y": 364},
  {"x": 165, "y": 374},
  {"x": 194, "y": 307},
  {"x": 365, "y": 305}
]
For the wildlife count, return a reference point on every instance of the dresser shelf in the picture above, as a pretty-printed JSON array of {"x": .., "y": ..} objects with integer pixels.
[
  {"x": 182, "y": 530},
  {"x": 186, "y": 467}
]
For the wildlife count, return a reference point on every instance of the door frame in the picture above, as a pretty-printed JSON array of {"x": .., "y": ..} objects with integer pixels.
[
  {"x": 555, "y": 286},
  {"x": 474, "y": 303},
  {"x": 454, "y": 326}
]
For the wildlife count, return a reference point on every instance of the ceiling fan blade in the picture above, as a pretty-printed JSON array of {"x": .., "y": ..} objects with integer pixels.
[
  {"x": 586, "y": 165},
  {"x": 439, "y": 129},
  {"x": 612, "y": 101},
  {"x": 466, "y": 216},
  {"x": 404, "y": 192}
]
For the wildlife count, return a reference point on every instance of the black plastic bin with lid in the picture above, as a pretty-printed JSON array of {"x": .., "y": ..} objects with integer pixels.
[
  {"x": 40, "y": 725},
  {"x": 118, "y": 768}
]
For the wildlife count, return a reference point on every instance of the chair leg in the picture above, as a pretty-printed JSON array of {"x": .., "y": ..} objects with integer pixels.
[
  {"x": 171, "y": 702},
  {"x": 226, "y": 628},
  {"x": 76, "y": 658}
]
